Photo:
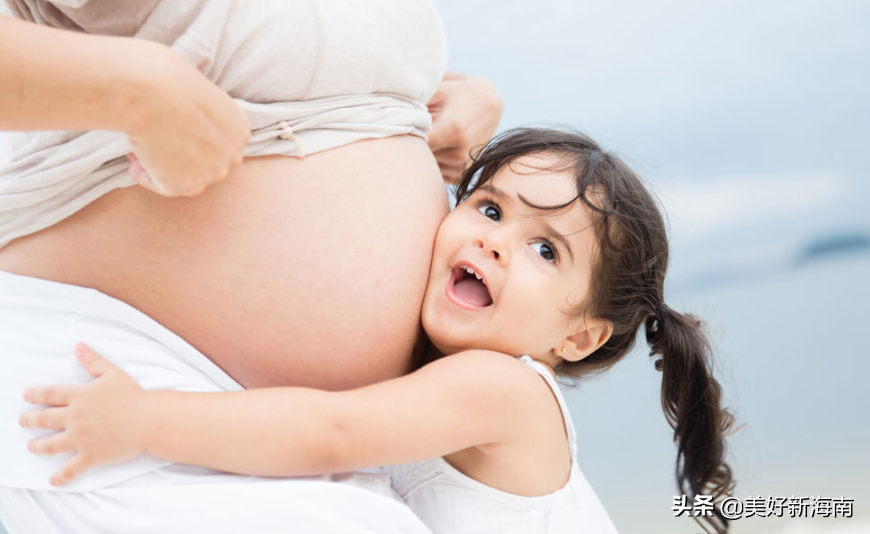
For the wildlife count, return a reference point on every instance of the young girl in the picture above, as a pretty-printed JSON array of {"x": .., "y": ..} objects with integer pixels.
[{"x": 552, "y": 260}]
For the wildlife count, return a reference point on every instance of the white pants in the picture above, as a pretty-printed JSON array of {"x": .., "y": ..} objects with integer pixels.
[{"x": 40, "y": 323}]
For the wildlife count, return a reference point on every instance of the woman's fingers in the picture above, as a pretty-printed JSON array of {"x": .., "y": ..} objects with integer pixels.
[
  {"x": 195, "y": 132},
  {"x": 48, "y": 418},
  {"x": 138, "y": 172},
  {"x": 465, "y": 114},
  {"x": 51, "y": 445},
  {"x": 73, "y": 468},
  {"x": 91, "y": 361},
  {"x": 51, "y": 395},
  {"x": 451, "y": 162}
]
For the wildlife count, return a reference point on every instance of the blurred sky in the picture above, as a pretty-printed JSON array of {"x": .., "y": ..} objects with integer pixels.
[{"x": 751, "y": 121}]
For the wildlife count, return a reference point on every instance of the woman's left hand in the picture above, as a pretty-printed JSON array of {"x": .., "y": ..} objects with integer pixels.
[
  {"x": 102, "y": 421},
  {"x": 465, "y": 113}
]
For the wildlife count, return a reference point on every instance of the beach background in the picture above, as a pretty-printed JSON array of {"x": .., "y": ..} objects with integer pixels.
[{"x": 751, "y": 121}]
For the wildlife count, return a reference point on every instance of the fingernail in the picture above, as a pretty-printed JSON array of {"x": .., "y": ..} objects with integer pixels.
[
  {"x": 31, "y": 446},
  {"x": 28, "y": 393},
  {"x": 53, "y": 481},
  {"x": 21, "y": 420}
]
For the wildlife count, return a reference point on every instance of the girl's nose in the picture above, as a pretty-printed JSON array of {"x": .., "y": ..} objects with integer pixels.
[{"x": 493, "y": 244}]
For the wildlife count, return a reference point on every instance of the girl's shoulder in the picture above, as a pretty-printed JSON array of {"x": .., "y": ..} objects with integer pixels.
[
  {"x": 494, "y": 369},
  {"x": 519, "y": 385},
  {"x": 537, "y": 448}
]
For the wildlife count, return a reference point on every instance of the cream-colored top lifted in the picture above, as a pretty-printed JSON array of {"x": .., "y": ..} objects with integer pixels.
[
  {"x": 309, "y": 75},
  {"x": 276, "y": 272}
]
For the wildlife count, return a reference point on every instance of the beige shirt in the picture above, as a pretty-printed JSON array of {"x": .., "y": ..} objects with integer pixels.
[{"x": 310, "y": 75}]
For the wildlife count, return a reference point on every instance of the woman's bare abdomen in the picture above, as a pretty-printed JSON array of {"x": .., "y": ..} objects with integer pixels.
[{"x": 304, "y": 272}]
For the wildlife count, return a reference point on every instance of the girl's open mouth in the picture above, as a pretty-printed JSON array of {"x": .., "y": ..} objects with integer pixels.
[{"x": 467, "y": 289}]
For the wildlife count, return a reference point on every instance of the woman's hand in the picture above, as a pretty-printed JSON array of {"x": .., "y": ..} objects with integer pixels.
[
  {"x": 186, "y": 133},
  {"x": 465, "y": 114},
  {"x": 103, "y": 421}
]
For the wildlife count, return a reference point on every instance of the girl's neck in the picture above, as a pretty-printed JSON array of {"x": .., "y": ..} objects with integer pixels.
[
  {"x": 430, "y": 353},
  {"x": 424, "y": 351}
]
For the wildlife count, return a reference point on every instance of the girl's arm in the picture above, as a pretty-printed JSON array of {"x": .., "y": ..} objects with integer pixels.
[
  {"x": 468, "y": 399},
  {"x": 186, "y": 131}
]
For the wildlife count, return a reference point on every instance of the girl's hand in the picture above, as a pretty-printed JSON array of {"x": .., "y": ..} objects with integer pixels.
[
  {"x": 465, "y": 114},
  {"x": 103, "y": 421}
]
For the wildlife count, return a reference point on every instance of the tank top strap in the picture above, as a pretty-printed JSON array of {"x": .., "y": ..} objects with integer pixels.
[{"x": 554, "y": 386}]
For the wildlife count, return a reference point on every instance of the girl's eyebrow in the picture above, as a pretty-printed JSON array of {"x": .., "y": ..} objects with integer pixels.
[
  {"x": 548, "y": 228},
  {"x": 494, "y": 191}
]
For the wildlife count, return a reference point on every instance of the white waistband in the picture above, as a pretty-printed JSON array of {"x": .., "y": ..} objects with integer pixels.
[{"x": 40, "y": 323}]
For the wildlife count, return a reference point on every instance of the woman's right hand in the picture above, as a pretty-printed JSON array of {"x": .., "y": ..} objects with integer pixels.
[{"x": 186, "y": 132}]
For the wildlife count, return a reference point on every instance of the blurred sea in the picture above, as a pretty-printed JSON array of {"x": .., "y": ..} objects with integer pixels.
[{"x": 794, "y": 361}]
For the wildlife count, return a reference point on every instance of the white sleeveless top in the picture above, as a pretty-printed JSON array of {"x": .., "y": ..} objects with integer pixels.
[
  {"x": 310, "y": 75},
  {"x": 451, "y": 502}
]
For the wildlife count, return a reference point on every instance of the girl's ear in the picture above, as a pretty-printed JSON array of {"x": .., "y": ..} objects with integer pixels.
[{"x": 584, "y": 341}]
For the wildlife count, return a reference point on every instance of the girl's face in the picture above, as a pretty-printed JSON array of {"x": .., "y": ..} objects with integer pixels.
[{"x": 533, "y": 265}]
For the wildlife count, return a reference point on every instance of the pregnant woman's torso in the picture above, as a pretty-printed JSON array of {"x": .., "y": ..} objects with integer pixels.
[
  {"x": 292, "y": 271},
  {"x": 305, "y": 272}
]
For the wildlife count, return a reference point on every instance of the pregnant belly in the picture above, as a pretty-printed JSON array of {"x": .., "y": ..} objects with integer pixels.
[{"x": 303, "y": 272}]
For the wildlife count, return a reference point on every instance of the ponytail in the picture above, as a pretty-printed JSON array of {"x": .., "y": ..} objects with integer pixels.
[{"x": 691, "y": 399}]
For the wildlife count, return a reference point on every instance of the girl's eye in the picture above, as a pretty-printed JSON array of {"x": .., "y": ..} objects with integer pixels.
[
  {"x": 490, "y": 211},
  {"x": 545, "y": 251}
]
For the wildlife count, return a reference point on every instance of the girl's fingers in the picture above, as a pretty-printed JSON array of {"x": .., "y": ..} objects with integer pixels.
[
  {"x": 52, "y": 445},
  {"x": 91, "y": 361},
  {"x": 73, "y": 468},
  {"x": 48, "y": 418},
  {"x": 51, "y": 395},
  {"x": 132, "y": 157}
]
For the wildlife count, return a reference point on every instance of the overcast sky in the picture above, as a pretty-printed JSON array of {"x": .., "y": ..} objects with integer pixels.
[{"x": 745, "y": 115}]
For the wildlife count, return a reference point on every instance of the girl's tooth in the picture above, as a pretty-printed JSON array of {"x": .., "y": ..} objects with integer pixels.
[
  {"x": 477, "y": 275},
  {"x": 470, "y": 270}
]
